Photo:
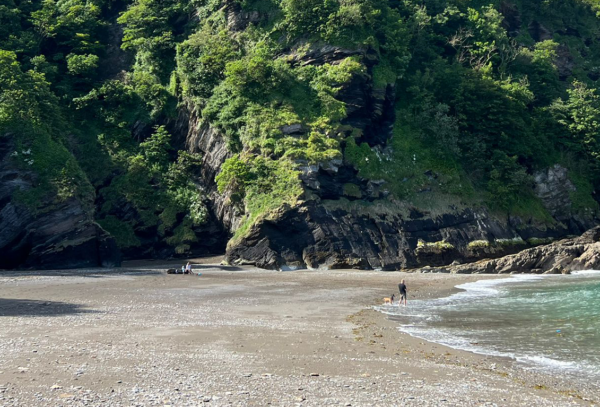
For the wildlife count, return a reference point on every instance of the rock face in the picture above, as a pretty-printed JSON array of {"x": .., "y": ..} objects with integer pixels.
[
  {"x": 369, "y": 109},
  {"x": 207, "y": 141},
  {"x": 581, "y": 253},
  {"x": 553, "y": 187},
  {"x": 237, "y": 18},
  {"x": 380, "y": 235},
  {"x": 61, "y": 235},
  {"x": 349, "y": 222},
  {"x": 360, "y": 227}
]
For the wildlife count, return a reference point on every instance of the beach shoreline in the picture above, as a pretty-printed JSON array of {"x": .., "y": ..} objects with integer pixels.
[{"x": 242, "y": 336}]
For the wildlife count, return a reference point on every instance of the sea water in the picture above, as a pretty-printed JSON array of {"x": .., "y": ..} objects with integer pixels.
[{"x": 545, "y": 322}]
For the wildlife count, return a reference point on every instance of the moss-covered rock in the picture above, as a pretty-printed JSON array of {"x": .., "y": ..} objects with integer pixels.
[{"x": 53, "y": 230}]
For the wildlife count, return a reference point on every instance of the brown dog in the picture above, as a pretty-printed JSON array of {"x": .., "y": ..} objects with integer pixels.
[{"x": 388, "y": 300}]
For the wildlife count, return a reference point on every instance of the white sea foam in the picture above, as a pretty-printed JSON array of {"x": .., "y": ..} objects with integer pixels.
[
  {"x": 487, "y": 287},
  {"x": 452, "y": 341},
  {"x": 472, "y": 290},
  {"x": 531, "y": 361},
  {"x": 424, "y": 319},
  {"x": 585, "y": 272},
  {"x": 553, "y": 363}
]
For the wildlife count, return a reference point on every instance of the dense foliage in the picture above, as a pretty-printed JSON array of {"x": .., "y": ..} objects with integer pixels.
[
  {"x": 80, "y": 126},
  {"x": 487, "y": 93}
]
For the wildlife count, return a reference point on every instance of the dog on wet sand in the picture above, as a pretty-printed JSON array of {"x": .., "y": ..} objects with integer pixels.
[{"x": 388, "y": 300}]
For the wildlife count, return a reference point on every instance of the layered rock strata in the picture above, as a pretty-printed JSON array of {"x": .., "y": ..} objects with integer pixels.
[
  {"x": 60, "y": 234},
  {"x": 561, "y": 257},
  {"x": 379, "y": 235}
]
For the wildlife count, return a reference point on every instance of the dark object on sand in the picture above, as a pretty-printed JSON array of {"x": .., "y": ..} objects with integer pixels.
[{"x": 178, "y": 271}]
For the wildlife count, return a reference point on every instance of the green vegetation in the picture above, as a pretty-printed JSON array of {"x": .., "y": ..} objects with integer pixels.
[
  {"x": 352, "y": 190},
  {"x": 85, "y": 136},
  {"x": 515, "y": 241},
  {"x": 478, "y": 116},
  {"x": 264, "y": 185},
  {"x": 409, "y": 166},
  {"x": 484, "y": 244},
  {"x": 441, "y": 245},
  {"x": 537, "y": 241},
  {"x": 487, "y": 93},
  {"x": 251, "y": 87},
  {"x": 478, "y": 244},
  {"x": 28, "y": 114},
  {"x": 582, "y": 197}
]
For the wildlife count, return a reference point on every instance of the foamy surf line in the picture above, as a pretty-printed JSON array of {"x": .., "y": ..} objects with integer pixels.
[
  {"x": 534, "y": 362},
  {"x": 415, "y": 321},
  {"x": 487, "y": 287},
  {"x": 476, "y": 289},
  {"x": 480, "y": 288},
  {"x": 490, "y": 287},
  {"x": 585, "y": 272}
]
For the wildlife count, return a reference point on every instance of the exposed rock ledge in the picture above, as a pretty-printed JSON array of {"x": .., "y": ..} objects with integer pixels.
[
  {"x": 62, "y": 235},
  {"x": 561, "y": 257}
]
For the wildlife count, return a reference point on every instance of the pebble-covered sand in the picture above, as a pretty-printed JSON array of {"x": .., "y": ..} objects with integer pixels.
[{"x": 243, "y": 337}]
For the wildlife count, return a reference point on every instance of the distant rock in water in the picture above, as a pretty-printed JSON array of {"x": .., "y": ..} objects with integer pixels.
[{"x": 62, "y": 234}]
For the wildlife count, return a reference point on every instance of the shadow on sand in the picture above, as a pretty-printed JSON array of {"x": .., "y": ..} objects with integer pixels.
[
  {"x": 215, "y": 267},
  {"x": 131, "y": 268},
  {"x": 92, "y": 272},
  {"x": 10, "y": 307}
]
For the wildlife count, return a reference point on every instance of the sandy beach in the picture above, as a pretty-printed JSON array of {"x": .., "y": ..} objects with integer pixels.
[{"x": 242, "y": 336}]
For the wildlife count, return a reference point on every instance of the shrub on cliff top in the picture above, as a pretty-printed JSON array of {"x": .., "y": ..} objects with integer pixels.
[
  {"x": 441, "y": 245},
  {"x": 478, "y": 244}
]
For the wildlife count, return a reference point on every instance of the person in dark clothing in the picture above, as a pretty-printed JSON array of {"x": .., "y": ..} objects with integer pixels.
[{"x": 403, "y": 296}]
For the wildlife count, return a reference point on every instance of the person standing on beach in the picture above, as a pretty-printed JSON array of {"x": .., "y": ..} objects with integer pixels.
[{"x": 402, "y": 288}]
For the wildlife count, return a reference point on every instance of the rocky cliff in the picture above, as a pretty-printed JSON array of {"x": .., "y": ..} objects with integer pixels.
[
  {"x": 321, "y": 134},
  {"x": 347, "y": 221},
  {"x": 561, "y": 257},
  {"x": 344, "y": 219},
  {"x": 56, "y": 234},
  {"x": 332, "y": 230}
]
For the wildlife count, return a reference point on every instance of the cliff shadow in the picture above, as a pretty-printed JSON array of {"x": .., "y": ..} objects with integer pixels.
[
  {"x": 207, "y": 267},
  {"x": 90, "y": 273},
  {"x": 11, "y": 307}
]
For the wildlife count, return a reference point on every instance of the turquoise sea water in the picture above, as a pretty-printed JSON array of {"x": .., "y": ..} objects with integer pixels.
[{"x": 545, "y": 322}]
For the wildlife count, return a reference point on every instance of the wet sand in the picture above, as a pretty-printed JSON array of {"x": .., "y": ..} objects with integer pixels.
[{"x": 241, "y": 336}]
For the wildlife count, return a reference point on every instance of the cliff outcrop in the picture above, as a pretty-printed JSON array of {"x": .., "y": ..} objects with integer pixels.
[
  {"x": 55, "y": 234},
  {"x": 363, "y": 134},
  {"x": 561, "y": 257},
  {"x": 347, "y": 221},
  {"x": 381, "y": 235}
]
